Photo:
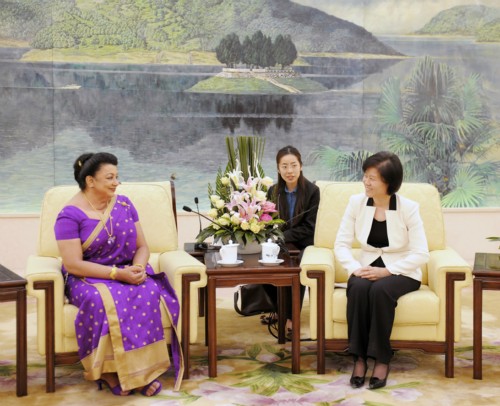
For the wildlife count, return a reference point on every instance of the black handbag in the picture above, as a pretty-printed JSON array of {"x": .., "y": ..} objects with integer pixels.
[{"x": 254, "y": 300}]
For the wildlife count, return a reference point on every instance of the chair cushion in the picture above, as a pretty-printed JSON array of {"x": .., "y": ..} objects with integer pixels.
[{"x": 416, "y": 308}]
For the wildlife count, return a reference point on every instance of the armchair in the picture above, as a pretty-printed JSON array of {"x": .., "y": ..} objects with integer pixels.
[
  {"x": 155, "y": 203},
  {"x": 428, "y": 319}
]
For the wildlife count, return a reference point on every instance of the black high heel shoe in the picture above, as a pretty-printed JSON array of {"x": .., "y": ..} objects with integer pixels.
[
  {"x": 358, "y": 381},
  {"x": 377, "y": 383}
]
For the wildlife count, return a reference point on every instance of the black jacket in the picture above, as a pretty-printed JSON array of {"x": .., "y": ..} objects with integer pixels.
[{"x": 300, "y": 230}]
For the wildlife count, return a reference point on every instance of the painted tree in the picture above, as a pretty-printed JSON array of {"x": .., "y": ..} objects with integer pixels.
[
  {"x": 267, "y": 53},
  {"x": 199, "y": 19},
  {"x": 258, "y": 39},
  {"x": 285, "y": 51},
  {"x": 439, "y": 125},
  {"x": 229, "y": 50},
  {"x": 246, "y": 52}
]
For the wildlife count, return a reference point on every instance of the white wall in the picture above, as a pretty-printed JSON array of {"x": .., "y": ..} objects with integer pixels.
[{"x": 466, "y": 231}]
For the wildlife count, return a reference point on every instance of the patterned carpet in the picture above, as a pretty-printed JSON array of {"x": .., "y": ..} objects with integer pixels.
[{"x": 254, "y": 370}]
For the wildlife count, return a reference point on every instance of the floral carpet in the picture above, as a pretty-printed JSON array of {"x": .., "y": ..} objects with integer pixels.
[{"x": 254, "y": 370}]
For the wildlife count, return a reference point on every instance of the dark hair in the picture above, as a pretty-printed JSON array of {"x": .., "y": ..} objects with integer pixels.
[
  {"x": 301, "y": 182},
  {"x": 390, "y": 168},
  {"x": 88, "y": 164}
]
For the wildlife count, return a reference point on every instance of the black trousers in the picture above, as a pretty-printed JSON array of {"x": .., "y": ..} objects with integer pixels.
[
  {"x": 370, "y": 314},
  {"x": 272, "y": 292}
]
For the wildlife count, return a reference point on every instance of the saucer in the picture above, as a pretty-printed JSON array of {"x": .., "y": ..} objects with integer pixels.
[
  {"x": 270, "y": 263},
  {"x": 228, "y": 264}
]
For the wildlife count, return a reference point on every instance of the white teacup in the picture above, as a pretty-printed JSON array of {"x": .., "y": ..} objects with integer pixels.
[
  {"x": 270, "y": 251},
  {"x": 229, "y": 252}
]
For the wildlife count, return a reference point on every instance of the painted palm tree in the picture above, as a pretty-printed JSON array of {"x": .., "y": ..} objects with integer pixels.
[
  {"x": 440, "y": 127},
  {"x": 438, "y": 124},
  {"x": 343, "y": 166}
]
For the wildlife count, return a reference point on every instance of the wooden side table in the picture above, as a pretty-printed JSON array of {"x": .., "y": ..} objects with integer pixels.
[
  {"x": 13, "y": 288},
  {"x": 486, "y": 277},
  {"x": 290, "y": 251},
  {"x": 251, "y": 271}
]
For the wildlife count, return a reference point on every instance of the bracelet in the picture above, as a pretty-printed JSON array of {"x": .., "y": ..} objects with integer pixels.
[
  {"x": 112, "y": 274},
  {"x": 139, "y": 265}
]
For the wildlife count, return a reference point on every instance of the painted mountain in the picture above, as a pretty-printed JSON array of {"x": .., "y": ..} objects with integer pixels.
[
  {"x": 182, "y": 25},
  {"x": 481, "y": 22}
]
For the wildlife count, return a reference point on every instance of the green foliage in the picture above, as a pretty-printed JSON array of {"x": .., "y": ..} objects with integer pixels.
[
  {"x": 236, "y": 86},
  {"x": 229, "y": 50},
  {"x": 461, "y": 20},
  {"x": 344, "y": 166},
  {"x": 256, "y": 51},
  {"x": 305, "y": 85},
  {"x": 489, "y": 32},
  {"x": 22, "y": 19},
  {"x": 182, "y": 25},
  {"x": 285, "y": 52},
  {"x": 467, "y": 191},
  {"x": 248, "y": 152},
  {"x": 439, "y": 125}
]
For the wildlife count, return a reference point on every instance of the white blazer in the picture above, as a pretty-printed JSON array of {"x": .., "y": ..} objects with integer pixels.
[{"x": 407, "y": 250}]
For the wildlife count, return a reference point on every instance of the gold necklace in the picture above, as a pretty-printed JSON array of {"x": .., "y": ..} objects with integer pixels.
[{"x": 111, "y": 237}]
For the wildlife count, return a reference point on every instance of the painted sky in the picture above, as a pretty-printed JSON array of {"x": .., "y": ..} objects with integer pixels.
[{"x": 390, "y": 16}]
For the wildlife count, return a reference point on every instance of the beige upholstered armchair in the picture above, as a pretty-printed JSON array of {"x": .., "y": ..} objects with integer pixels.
[
  {"x": 428, "y": 319},
  {"x": 155, "y": 203}
]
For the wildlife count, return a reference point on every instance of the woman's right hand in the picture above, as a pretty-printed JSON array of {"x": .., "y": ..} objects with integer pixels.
[
  {"x": 133, "y": 275},
  {"x": 372, "y": 273}
]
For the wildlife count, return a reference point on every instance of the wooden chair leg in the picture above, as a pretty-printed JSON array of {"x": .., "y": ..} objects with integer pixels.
[
  {"x": 48, "y": 287},
  {"x": 449, "y": 358},
  {"x": 320, "y": 321},
  {"x": 185, "y": 314}
]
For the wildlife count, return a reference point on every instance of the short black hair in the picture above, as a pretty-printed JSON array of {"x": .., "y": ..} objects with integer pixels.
[
  {"x": 88, "y": 164},
  {"x": 390, "y": 168}
]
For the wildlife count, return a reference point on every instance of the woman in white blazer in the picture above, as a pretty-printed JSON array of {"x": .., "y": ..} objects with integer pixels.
[{"x": 393, "y": 248}]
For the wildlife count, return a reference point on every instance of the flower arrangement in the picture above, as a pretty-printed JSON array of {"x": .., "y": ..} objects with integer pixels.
[
  {"x": 240, "y": 210},
  {"x": 239, "y": 206}
]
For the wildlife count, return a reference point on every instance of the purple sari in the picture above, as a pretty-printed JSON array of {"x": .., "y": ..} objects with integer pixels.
[{"x": 119, "y": 326}]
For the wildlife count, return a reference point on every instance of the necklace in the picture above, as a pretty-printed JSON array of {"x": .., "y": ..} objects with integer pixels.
[{"x": 111, "y": 237}]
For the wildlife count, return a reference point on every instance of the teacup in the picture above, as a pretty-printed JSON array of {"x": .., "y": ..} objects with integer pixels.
[
  {"x": 229, "y": 252},
  {"x": 270, "y": 251}
]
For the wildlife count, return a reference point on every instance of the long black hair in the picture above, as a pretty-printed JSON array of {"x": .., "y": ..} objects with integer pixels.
[{"x": 279, "y": 195}]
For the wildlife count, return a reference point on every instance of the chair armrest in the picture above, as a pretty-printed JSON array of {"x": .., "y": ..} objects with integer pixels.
[
  {"x": 175, "y": 264},
  {"x": 318, "y": 259},
  {"x": 442, "y": 262},
  {"x": 46, "y": 269}
]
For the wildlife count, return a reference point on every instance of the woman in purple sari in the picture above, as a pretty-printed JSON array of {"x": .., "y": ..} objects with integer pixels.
[{"x": 120, "y": 299}]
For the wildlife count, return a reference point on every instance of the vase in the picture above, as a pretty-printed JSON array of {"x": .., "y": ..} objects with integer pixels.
[{"x": 252, "y": 247}]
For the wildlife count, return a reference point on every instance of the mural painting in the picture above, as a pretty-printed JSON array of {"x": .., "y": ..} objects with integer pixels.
[{"x": 162, "y": 83}]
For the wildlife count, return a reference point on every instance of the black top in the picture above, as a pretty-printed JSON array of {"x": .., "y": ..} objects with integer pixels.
[
  {"x": 298, "y": 229},
  {"x": 378, "y": 234}
]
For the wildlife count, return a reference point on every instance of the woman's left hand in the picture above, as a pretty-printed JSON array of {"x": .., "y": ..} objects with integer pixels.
[
  {"x": 138, "y": 274},
  {"x": 373, "y": 273}
]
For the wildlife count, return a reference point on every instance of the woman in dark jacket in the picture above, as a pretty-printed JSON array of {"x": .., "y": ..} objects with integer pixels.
[{"x": 297, "y": 201}]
